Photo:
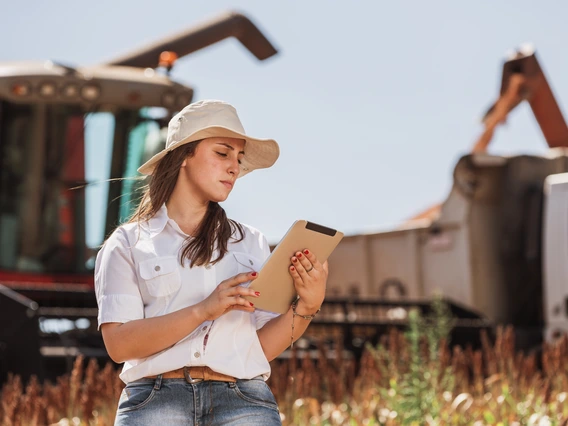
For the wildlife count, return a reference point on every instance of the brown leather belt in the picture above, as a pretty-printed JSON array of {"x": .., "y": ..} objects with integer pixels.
[{"x": 195, "y": 375}]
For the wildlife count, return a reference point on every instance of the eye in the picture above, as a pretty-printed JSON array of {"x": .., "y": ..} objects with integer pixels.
[{"x": 221, "y": 154}]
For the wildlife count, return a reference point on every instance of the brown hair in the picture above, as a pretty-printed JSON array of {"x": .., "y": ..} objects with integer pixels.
[{"x": 215, "y": 229}]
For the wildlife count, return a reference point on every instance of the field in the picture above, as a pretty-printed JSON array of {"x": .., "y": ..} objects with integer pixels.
[{"x": 410, "y": 378}]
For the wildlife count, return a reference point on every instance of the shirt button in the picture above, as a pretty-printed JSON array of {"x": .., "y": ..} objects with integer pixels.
[
  {"x": 196, "y": 354},
  {"x": 204, "y": 328},
  {"x": 157, "y": 268}
]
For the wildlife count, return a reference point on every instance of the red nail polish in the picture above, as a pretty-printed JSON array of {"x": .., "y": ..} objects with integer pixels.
[
  {"x": 257, "y": 293},
  {"x": 299, "y": 254},
  {"x": 306, "y": 251},
  {"x": 294, "y": 260},
  {"x": 252, "y": 304},
  {"x": 254, "y": 274},
  {"x": 292, "y": 268}
]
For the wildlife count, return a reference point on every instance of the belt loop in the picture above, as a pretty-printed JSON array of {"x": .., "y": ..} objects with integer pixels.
[{"x": 158, "y": 382}]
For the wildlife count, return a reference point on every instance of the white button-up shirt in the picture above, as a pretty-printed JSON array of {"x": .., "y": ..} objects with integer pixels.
[{"x": 138, "y": 275}]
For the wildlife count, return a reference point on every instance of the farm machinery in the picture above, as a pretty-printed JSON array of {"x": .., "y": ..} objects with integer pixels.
[
  {"x": 61, "y": 125},
  {"x": 496, "y": 249}
]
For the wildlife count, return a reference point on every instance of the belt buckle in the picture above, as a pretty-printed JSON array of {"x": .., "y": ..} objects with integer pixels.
[{"x": 188, "y": 378}]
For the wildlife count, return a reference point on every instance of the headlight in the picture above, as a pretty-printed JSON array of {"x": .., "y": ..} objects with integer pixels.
[
  {"x": 70, "y": 91},
  {"x": 21, "y": 88},
  {"x": 90, "y": 92},
  {"x": 47, "y": 89}
]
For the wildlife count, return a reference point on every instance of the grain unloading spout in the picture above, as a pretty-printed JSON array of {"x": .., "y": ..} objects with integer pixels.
[
  {"x": 523, "y": 79},
  {"x": 229, "y": 24}
]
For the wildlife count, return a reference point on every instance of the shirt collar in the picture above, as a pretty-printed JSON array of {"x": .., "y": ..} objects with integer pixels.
[{"x": 158, "y": 222}]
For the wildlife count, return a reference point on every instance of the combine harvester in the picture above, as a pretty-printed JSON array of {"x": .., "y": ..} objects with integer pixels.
[
  {"x": 496, "y": 249},
  {"x": 50, "y": 115}
]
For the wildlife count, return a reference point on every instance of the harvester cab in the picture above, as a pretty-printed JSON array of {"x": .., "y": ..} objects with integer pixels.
[{"x": 70, "y": 139}]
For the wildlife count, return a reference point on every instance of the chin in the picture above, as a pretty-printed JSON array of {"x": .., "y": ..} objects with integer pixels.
[{"x": 219, "y": 198}]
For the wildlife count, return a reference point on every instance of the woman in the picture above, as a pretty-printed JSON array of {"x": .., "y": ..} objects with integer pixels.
[{"x": 170, "y": 285}]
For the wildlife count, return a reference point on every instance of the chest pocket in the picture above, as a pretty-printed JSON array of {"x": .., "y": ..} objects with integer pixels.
[
  {"x": 246, "y": 263},
  {"x": 161, "y": 275}
]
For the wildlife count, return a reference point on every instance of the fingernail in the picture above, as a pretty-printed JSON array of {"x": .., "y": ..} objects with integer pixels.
[
  {"x": 306, "y": 251},
  {"x": 254, "y": 274},
  {"x": 252, "y": 304},
  {"x": 257, "y": 293},
  {"x": 299, "y": 254},
  {"x": 292, "y": 268},
  {"x": 294, "y": 260}
]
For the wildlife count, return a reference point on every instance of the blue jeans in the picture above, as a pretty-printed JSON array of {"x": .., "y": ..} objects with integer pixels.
[{"x": 172, "y": 402}]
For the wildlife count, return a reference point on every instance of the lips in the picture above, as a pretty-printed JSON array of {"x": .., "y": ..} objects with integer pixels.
[{"x": 227, "y": 184}]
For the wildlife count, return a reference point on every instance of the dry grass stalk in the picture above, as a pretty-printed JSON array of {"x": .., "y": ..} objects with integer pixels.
[
  {"x": 495, "y": 379},
  {"x": 89, "y": 395},
  {"x": 335, "y": 390}
]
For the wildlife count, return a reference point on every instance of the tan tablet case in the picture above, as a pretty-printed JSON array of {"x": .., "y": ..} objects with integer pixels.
[{"x": 274, "y": 282}]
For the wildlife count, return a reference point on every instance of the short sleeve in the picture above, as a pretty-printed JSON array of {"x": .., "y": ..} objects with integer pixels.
[
  {"x": 261, "y": 317},
  {"x": 116, "y": 282}
]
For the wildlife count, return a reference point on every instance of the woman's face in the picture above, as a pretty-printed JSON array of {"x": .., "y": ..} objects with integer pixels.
[{"x": 213, "y": 169}]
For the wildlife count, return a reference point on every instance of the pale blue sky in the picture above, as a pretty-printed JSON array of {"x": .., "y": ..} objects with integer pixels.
[{"x": 372, "y": 102}]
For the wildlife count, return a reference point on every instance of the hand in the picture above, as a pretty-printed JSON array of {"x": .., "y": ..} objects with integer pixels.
[
  {"x": 310, "y": 278},
  {"x": 227, "y": 296}
]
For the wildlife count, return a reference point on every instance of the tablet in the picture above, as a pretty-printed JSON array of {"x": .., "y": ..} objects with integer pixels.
[{"x": 274, "y": 282}]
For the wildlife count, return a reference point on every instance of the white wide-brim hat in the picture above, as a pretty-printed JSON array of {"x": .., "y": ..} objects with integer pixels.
[{"x": 212, "y": 118}]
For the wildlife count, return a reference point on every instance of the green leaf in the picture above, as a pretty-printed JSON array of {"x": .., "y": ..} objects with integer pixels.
[{"x": 489, "y": 418}]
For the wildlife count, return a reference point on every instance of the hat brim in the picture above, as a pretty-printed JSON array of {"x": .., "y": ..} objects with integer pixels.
[{"x": 259, "y": 153}]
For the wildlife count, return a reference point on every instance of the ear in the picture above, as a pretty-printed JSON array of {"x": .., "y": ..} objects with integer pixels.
[{"x": 184, "y": 163}]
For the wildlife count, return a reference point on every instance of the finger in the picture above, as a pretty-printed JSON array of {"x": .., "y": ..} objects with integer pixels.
[
  {"x": 312, "y": 258},
  {"x": 301, "y": 269},
  {"x": 325, "y": 267},
  {"x": 242, "y": 308},
  {"x": 238, "y": 301},
  {"x": 304, "y": 261},
  {"x": 239, "y": 291},
  {"x": 298, "y": 272},
  {"x": 298, "y": 265},
  {"x": 246, "y": 308},
  {"x": 240, "y": 279}
]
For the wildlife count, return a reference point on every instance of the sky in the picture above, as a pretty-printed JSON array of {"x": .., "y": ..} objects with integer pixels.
[{"x": 372, "y": 102}]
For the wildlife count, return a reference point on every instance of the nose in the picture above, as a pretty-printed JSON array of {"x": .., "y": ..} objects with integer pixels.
[{"x": 234, "y": 167}]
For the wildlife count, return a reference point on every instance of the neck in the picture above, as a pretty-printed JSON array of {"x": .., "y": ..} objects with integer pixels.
[{"x": 186, "y": 211}]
